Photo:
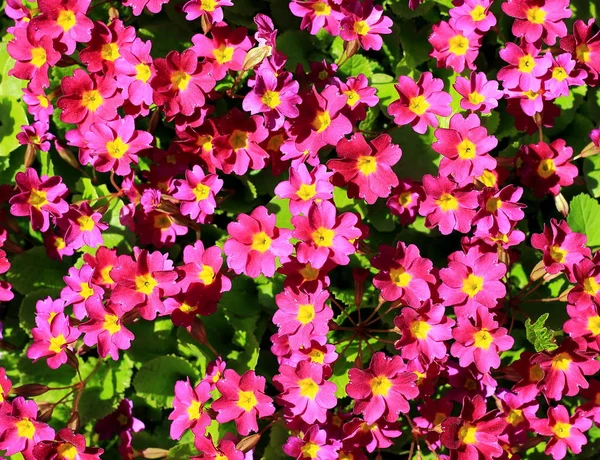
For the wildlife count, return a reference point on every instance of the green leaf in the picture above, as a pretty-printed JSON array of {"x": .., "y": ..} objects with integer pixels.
[
  {"x": 278, "y": 435},
  {"x": 584, "y": 217},
  {"x": 297, "y": 46},
  {"x": 386, "y": 92},
  {"x": 540, "y": 336},
  {"x": 13, "y": 117},
  {"x": 356, "y": 65},
  {"x": 182, "y": 451},
  {"x": 27, "y": 310},
  {"x": 33, "y": 269},
  {"x": 9, "y": 86},
  {"x": 156, "y": 379},
  {"x": 591, "y": 174}
]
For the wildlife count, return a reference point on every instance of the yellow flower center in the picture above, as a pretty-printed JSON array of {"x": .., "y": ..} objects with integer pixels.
[
  {"x": 238, "y": 140},
  {"x": 308, "y": 388},
  {"x": 143, "y": 72},
  {"x": 205, "y": 142},
  {"x": 418, "y": 105},
  {"x": 38, "y": 56},
  {"x": 466, "y": 150},
  {"x": 208, "y": 5},
  {"x": 271, "y": 99},
  {"x": 323, "y": 237},
  {"x": 493, "y": 204},
  {"x": 92, "y": 100},
  {"x": 353, "y": 97},
  {"x": 309, "y": 273},
  {"x": 558, "y": 254},
  {"x": 458, "y": 45},
  {"x": 476, "y": 98},
  {"x": 478, "y": 13},
  {"x": 400, "y": 277},
  {"x": 546, "y": 168},
  {"x": 111, "y": 324},
  {"x": 531, "y": 94},
  {"x": 536, "y": 15},
  {"x": 105, "y": 275},
  {"x": 361, "y": 27},
  {"x": 483, "y": 339},
  {"x": 306, "y": 191},
  {"x": 467, "y": 433},
  {"x": 180, "y": 80},
  {"x": 562, "y": 361},
  {"x": 447, "y": 202},
  {"x": 37, "y": 198},
  {"x": 67, "y": 451},
  {"x": 247, "y": 400},
  {"x": 420, "y": 329},
  {"x": 559, "y": 74},
  {"x": 316, "y": 356},
  {"x": 145, "y": 284},
  {"x": 593, "y": 325},
  {"x": 583, "y": 53},
  {"x": 380, "y": 385},
  {"x": 515, "y": 417},
  {"x": 261, "y": 242},
  {"x": 66, "y": 19},
  {"x": 321, "y": 9},
  {"x": 110, "y": 52},
  {"x": 57, "y": 343},
  {"x": 194, "y": 410},
  {"x": 117, "y": 148},
  {"x": 25, "y": 429},
  {"x": 366, "y": 164},
  {"x": 223, "y": 54},
  {"x": 590, "y": 286},
  {"x": 322, "y": 121},
  {"x": 405, "y": 198},
  {"x": 86, "y": 223},
  {"x": 44, "y": 102},
  {"x": 86, "y": 291},
  {"x": 201, "y": 192},
  {"x": 472, "y": 285},
  {"x": 526, "y": 64},
  {"x": 562, "y": 430},
  {"x": 306, "y": 313},
  {"x": 310, "y": 450}
]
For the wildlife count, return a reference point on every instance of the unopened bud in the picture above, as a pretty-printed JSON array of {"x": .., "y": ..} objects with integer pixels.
[
  {"x": 74, "y": 421},
  {"x": 562, "y": 205},
  {"x": 198, "y": 331},
  {"x": 351, "y": 48},
  {"x": 255, "y": 56},
  {"x": 113, "y": 13},
  {"x": 30, "y": 154},
  {"x": 154, "y": 119},
  {"x": 30, "y": 389},
  {"x": 248, "y": 443},
  {"x": 45, "y": 414},
  {"x": 66, "y": 155},
  {"x": 154, "y": 452},
  {"x": 72, "y": 359}
]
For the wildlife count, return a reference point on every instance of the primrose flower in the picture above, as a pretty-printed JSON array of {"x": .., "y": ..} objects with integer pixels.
[
  {"x": 586, "y": 276},
  {"x": 472, "y": 15},
  {"x": 313, "y": 444},
  {"x": 584, "y": 323},
  {"x": 324, "y": 235},
  {"x": 317, "y": 15},
  {"x": 243, "y": 400},
  {"x": 83, "y": 226},
  {"x": 105, "y": 329},
  {"x": 584, "y": 45},
  {"x": 372, "y": 436},
  {"x": 526, "y": 67},
  {"x": 254, "y": 243},
  {"x": 566, "y": 431},
  {"x": 360, "y": 96},
  {"x": 365, "y": 23},
  {"x": 188, "y": 409},
  {"x": 563, "y": 73},
  {"x": 382, "y": 389},
  {"x": 210, "y": 9},
  {"x": 80, "y": 291},
  {"x": 478, "y": 93},
  {"x": 226, "y": 449},
  {"x": 304, "y": 188},
  {"x": 36, "y": 135},
  {"x": 39, "y": 198},
  {"x": 50, "y": 341},
  {"x": 368, "y": 173},
  {"x": 538, "y": 19},
  {"x": 405, "y": 201},
  {"x": 135, "y": 71},
  {"x": 66, "y": 444},
  {"x": 453, "y": 48},
  {"x": 420, "y": 102},
  {"x": 500, "y": 209},
  {"x": 104, "y": 50},
  {"x": 197, "y": 193}
]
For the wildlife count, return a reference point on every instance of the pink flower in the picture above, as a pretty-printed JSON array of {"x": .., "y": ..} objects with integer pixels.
[
  {"x": 420, "y": 102},
  {"x": 360, "y": 96},
  {"x": 465, "y": 147},
  {"x": 472, "y": 15},
  {"x": 113, "y": 145},
  {"x": 563, "y": 249},
  {"x": 304, "y": 392},
  {"x": 66, "y": 444},
  {"x": 197, "y": 193},
  {"x": 203, "y": 266},
  {"x": 453, "y": 48},
  {"x": 368, "y": 174},
  {"x": 563, "y": 74},
  {"x": 302, "y": 316},
  {"x": 382, "y": 389},
  {"x": 566, "y": 431},
  {"x": 80, "y": 291},
  {"x": 424, "y": 331},
  {"x": 500, "y": 209},
  {"x": 304, "y": 188},
  {"x": 211, "y": 9},
  {"x": 525, "y": 68},
  {"x": 324, "y": 235},
  {"x": 586, "y": 276},
  {"x": 403, "y": 274},
  {"x": 134, "y": 73},
  {"x": 188, "y": 409},
  {"x": 477, "y": 92},
  {"x": 254, "y": 243},
  {"x": 372, "y": 436},
  {"x": 243, "y": 400},
  {"x": 105, "y": 329},
  {"x": 365, "y": 23},
  {"x": 405, "y": 201},
  {"x": 472, "y": 279},
  {"x": 154, "y": 6},
  {"x": 535, "y": 19},
  {"x": 226, "y": 449},
  {"x": 39, "y": 198},
  {"x": 36, "y": 135},
  {"x": 584, "y": 45},
  {"x": 584, "y": 323},
  {"x": 82, "y": 226},
  {"x": 19, "y": 429},
  {"x": 447, "y": 206},
  {"x": 479, "y": 340},
  {"x": 313, "y": 444},
  {"x": 50, "y": 341},
  {"x": 317, "y": 15},
  {"x": 104, "y": 50},
  {"x": 142, "y": 282}
]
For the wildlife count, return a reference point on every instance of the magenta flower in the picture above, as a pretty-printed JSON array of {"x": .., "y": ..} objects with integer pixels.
[
  {"x": 197, "y": 193},
  {"x": 105, "y": 329},
  {"x": 50, "y": 341},
  {"x": 275, "y": 96},
  {"x": 566, "y": 431},
  {"x": 317, "y": 15},
  {"x": 113, "y": 145},
  {"x": 135, "y": 71},
  {"x": 378, "y": 435},
  {"x": 465, "y": 146},
  {"x": 66, "y": 444},
  {"x": 479, "y": 340},
  {"x": 472, "y": 279},
  {"x": 405, "y": 201},
  {"x": 210, "y": 9},
  {"x": 584, "y": 45},
  {"x": 472, "y": 15},
  {"x": 203, "y": 266},
  {"x": 302, "y": 316},
  {"x": 39, "y": 198},
  {"x": 38, "y": 103},
  {"x": 365, "y": 23},
  {"x": 420, "y": 102},
  {"x": 563, "y": 249},
  {"x": 586, "y": 276},
  {"x": 403, "y": 274},
  {"x": 320, "y": 122},
  {"x": 324, "y": 235},
  {"x": 188, "y": 409},
  {"x": 584, "y": 323},
  {"x": 226, "y": 49},
  {"x": 19, "y": 429},
  {"x": 46, "y": 309},
  {"x": 36, "y": 135},
  {"x": 368, "y": 173},
  {"x": 142, "y": 282},
  {"x": 304, "y": 392},
  {"x": 304, "y": 188},
  {"x": 360, "y": 96},
  {"x": 254, "y": 243},
  {"x": 313, "y": 444},
  {"x": 82, "y": 226},
  {"x": 80, "y": 291},
  {"x": 525, "y": 68},
  {"x": 423, "y": 332},
  {"x": 104, "y": 50},
  {"x": 563, "y": 74},
  {"x": 226, "y": 449},
  {"x": 102, "y": 263},
  {"x": 500, "y": 209},
  {"x": 535, "y": 19},
  {"x": 453, "y": 48},
  {"x": 382, "y": 389},
  {"x": 243, "y": 400},
  {"x": 477, "y": 92},
  {"x": 447, "y": 206}
]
